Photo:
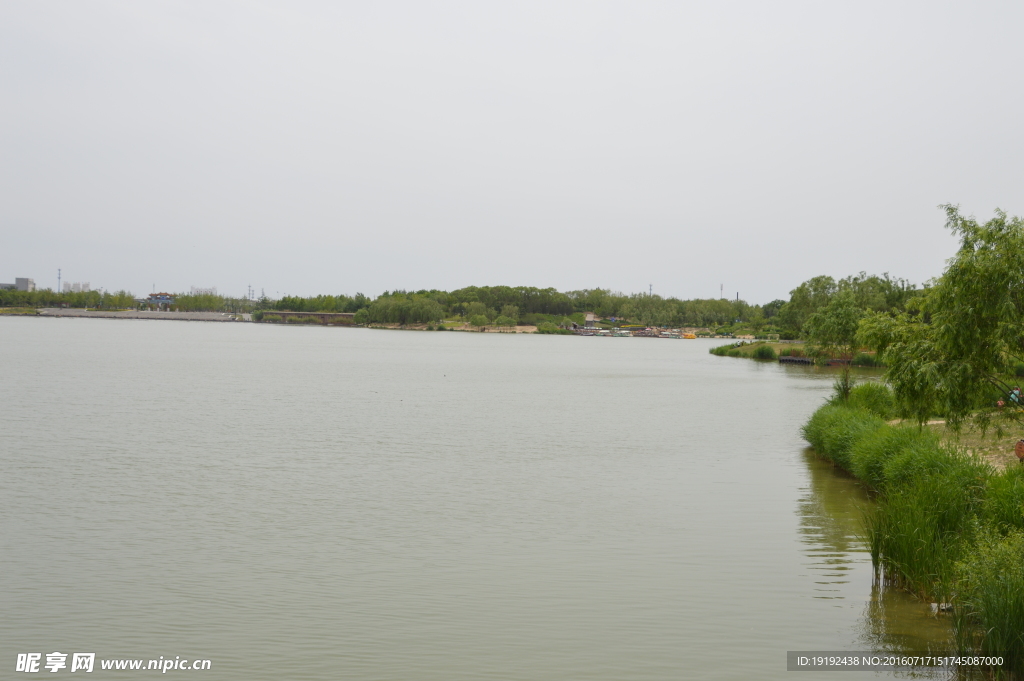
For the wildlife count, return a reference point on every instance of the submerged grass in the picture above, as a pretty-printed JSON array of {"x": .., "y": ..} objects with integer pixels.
[{"x": 947, "y": 526}]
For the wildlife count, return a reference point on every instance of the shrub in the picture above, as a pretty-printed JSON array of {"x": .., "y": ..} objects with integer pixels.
[
  {"x": 478, "y": 320},
  {"x": 875, "y": 397},
  {"x": 833, "y": 430},
  {"x": 721, "y": 350},
  {"x": 441, "y": 327},
  {"x": 764, "y": 352},
  {"x": 991, "y": 579},
  {"x": 914, "y": 463},
  {"x": 1003, "y": 507},
  {"x": 870, "y": 454},
  {"x": 863, "y": 359},
  {"x": 362, "y": 316},
  {"x": 918, "y": 532}
]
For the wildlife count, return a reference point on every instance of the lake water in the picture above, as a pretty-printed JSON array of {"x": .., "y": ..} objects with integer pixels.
[{"x": 323, "y": 503}]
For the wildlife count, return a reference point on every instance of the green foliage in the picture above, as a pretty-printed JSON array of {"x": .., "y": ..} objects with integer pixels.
[
  {"x": 834, "y": 327},
  {"x": 362, "y": 316},
  {"x": 991, "y": 581},
  {"x": 764, "y": 352},
  {"x": 919, "y": 531},
  {"x": 1003, "y": 508},
  {"x": 402, "y": 308},
  {"x": 549, "y": 328},
  {"x": 478, "y": 320},
  {"x": 870, "y": 454},
  {"x": 323, "y": 303},
  {"x": 723, "y": 350},
  {"x": 946, "y": 526},
  {"x": 863, "y": 359},
  {"x": 833, "y": 430},
  {"x": 874, "y": 397},
  {"x": 955, "y": 347},
  {"x": 504, "y": 321}
]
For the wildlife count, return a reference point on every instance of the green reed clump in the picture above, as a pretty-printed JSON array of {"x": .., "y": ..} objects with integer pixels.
[
  {"x": 946, "y": 526},
  {"x": 764, "y": 352},
  {"x": 875, "y": 397},
  {"x": 833, "y": 430},
  {"x": 863, "y": 359},
  {"x": 273, "y": 318},
  {"x": 722, "y": 350},
  {"x": 1003, "y": 507},
  {"x": 991, "y": 585},
  {"x": 914, "y": 463},
  {"x": 871, "y": 453},
  {"x": 919, "y": 530}
]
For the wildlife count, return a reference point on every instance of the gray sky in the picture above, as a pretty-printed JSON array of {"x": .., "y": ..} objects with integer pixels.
[{"x": 308, "y": 147}]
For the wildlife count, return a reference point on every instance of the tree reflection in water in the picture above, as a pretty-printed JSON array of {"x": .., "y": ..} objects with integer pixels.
[{"x": 832, "y": 528}]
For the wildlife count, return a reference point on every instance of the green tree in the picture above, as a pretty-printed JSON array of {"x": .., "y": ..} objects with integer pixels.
[
  {"x": 833, "y": 330},
  {"x": 502, "y": 320},
  {"x": 953, "y": 350},
  {"x": 479, "y": 320},
  {"x": 510, "y": 311}
]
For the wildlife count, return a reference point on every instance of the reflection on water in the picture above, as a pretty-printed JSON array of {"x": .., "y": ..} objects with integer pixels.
[
  {"x": 831, "y": 525},
  {"x": 832, "y": 530}
]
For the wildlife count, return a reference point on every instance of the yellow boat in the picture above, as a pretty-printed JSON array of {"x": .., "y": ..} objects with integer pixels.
[{"x": 689, "y": 335}]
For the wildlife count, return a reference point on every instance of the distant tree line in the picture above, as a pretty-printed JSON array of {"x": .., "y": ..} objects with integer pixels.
[
  {"x": 48, "y": 298},
  {"x": 536, "y": 306}
]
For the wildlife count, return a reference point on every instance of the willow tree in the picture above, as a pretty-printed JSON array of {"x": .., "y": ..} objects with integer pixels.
[
  {"x": 833, "y": 330},
  {"x": 955, "y": 349}
]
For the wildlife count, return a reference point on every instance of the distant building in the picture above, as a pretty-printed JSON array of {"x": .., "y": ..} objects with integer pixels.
[
  {"x": 24, "y": 284},
  {"x": 76, "y": 287},
  {"x": 200, "y": 291},
  {"x": 160, "y": 301},
  {"x": 8, "y": 287}
]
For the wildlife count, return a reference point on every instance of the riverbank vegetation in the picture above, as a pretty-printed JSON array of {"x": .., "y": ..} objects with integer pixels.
[{"x": 949, "y": 523}]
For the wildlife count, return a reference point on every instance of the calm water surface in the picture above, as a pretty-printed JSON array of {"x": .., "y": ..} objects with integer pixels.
[{"x": 310, "y": 503}]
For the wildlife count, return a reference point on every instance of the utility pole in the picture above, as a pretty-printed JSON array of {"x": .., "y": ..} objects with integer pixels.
[
  {"x": 58, "y": 280},
  {"x": 650, "y": 289},
  {"x": 721, "y": 291}
]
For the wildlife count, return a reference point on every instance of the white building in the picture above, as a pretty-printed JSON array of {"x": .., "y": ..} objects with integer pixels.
[
  {"x": 24, "y": 284},
  {"x": 76, "y": 287},
  {"x": 200, "y": 291}
]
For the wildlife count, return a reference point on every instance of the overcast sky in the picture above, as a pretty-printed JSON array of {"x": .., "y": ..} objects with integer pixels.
[{"x": 308, "y": 147}]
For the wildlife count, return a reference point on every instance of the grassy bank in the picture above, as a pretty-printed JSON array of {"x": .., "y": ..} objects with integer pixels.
[
  {"x": 774, "y": 350},
  {"x": 948, "y": 526},
  {"x": 19, "y": 310}
]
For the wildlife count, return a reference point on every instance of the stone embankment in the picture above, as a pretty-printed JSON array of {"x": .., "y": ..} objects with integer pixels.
[{"x": 145, "y": 314}]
